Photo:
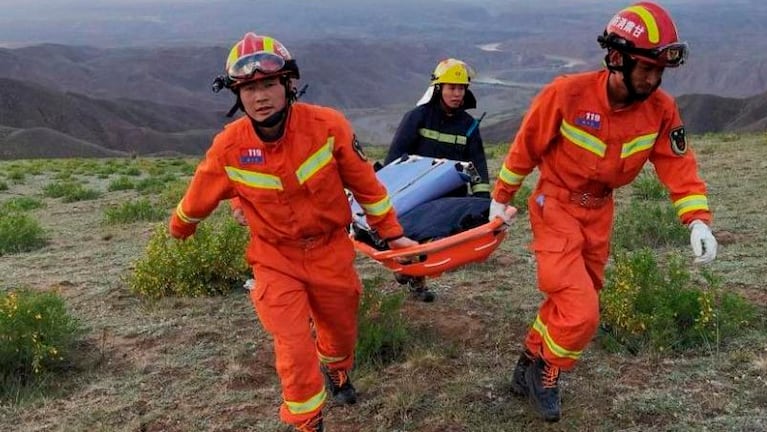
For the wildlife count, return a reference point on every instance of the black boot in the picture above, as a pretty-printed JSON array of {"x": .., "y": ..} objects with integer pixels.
[
  {"x": 417, "y": 287},
  {"x": 543, "y": 386},
  {"x": 518, "y": 383},
  {"x": 340, "y": 387},
  {"x": 419, "y": 291}
]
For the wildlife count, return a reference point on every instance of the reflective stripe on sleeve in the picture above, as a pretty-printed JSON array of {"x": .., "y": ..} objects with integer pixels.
[{"x": 690, "y": 203}]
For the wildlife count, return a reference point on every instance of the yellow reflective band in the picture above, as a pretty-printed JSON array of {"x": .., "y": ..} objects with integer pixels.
[
  {"x": 441, "y": 137},
  {"x": 254, "y": 179},
  {"x": 510, "y": 177},
  {"x": 583, "y": 139},
  {"x": 649, "y": 21},
  {"x": 378, "y": 208},
  {"x": 309, "y": 405},
  {"x": 327, "y": 359},
  {"x": 638, "y": 144},
  {"x": 553, "y": 347},
  {"x": 690, "y": 203},
  {"x": 268, "y": 44},
  {"x": 481, "y": 187},
  {"x": 315, "y": 162},
  {"x": 183, "y": 216}
]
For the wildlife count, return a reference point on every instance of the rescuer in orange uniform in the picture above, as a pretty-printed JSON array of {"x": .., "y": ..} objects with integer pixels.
[
  {"x": 287, "y": 165},
  {"x": 589, "y": 134}
]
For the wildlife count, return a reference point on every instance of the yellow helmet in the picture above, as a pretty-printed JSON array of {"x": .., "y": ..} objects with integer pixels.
[{"x": 452, "y": 71}]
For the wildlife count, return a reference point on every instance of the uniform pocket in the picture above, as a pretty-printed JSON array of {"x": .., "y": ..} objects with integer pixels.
[{"x": 549, "y": 243}]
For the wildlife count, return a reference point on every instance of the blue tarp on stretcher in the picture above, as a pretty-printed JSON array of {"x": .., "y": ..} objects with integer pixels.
[
  {"x": 417, "y": 186},
  {"x": 452, "y": 231},
  {"x": 414, "y": 180}
]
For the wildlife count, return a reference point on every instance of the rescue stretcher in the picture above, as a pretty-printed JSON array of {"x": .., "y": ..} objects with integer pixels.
[{"x": 412, "y": 181}]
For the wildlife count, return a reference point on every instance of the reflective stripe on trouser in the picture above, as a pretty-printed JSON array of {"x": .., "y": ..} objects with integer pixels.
[
  {"x": 571, "y": 245},
  {"x": 320, "y": 286}
]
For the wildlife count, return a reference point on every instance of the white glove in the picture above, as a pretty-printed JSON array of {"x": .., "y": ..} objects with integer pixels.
[
  {"x": 702, "y": 241},
  {"x": 502, "y": 211}
]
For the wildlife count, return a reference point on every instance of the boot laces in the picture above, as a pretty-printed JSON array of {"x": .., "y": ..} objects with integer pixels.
[
  {"x": 338, "y": 377},
  {"x": 311, "y": 425},
  {"x": 550, "y": 376}
]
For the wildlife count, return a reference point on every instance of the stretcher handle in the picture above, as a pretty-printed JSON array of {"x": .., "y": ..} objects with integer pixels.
[{"x": 435, "y": 246}]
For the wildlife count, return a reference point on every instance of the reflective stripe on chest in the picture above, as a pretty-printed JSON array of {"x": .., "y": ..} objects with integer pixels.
[
  {"x": 595, "y": 145},
  {"x": 306, "y": 170}
]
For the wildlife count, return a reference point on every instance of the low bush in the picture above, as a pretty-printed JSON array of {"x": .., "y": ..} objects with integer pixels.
[
  {"x": 521, "y": 197},
  {"x": 663, "y": 308},
  {"x": 20, "y": 204},
  {"x": 648, "y": 224},
  {"x": 121, "y": 183},
  {"x": 648, "y": 187},
  {"x": 383, "y": 330},
  {"x": 134, "y": 211},
  {"x": 70, "y": 192},
  {"x": 20, "y": 232},
  {"x": 36, "y": 335},
  {"x": 210, "y": 262}
]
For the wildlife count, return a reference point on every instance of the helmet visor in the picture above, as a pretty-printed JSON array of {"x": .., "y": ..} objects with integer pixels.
[{"x": 246, "y": 67}]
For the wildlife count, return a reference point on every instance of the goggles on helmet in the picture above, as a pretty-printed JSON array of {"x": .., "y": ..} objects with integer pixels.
[
  {"x": 671, "y": 55},
  {"x": 246, "y": 67}
]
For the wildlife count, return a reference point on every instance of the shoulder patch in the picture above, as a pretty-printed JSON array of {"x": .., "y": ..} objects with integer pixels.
[
  {"x": 678, "y": 140},
  {"x": 358, "y": 148}
]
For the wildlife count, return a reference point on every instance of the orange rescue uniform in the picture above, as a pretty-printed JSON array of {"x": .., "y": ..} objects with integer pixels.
[
  {"x": 292, "y": 195},
  {"x": 584, "y": 150}
]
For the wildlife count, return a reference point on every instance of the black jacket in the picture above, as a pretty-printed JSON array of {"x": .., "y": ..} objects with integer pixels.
[{"x": 428, "y": 131}]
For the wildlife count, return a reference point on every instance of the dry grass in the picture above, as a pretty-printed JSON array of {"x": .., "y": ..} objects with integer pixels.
[{"x": 206, "y": 364}]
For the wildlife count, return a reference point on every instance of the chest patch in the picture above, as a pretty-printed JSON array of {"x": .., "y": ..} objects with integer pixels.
[
  {"x": 678, "y": 140},
  {"x": 589, "y": 119},
  {"x": 251, "y": 156}
]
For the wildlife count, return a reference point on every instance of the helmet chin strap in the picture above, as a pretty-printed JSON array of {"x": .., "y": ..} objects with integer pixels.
[
  {"x": 276, "y": 119},
  {"x": 271, "y": 121}
]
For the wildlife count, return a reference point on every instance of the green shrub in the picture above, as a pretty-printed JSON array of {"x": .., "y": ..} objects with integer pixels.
[
  {"x": 17, "y": 175},
  {"x": 3, "y": 185},
  {"x": 172, "y": 194},
  {"x": 65, "y": 176},
  {"x": 154, "y": 185},
  {"x": 36, "y": 335},
  {"x": 383, "y": 331},
  {"x": 81, "y": 194},
  {"x": 208, "y": 263},
  {"x": 521, "y": 197},
  {"x": 663, "y": 309},
  {"x": 121, "y": 183},
  {"x": 20, "y": 233},
  {"x": 134, "y": 211},
  {"x": 648, "y": 187},
  {"x": 648, "y": 224},
  {"x": 70, "y": 192},
  {"x": 19, "y": 204},
  {"x": 132, "y": 171}
]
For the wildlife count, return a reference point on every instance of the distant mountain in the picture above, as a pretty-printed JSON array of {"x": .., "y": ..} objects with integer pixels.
[
  {"x": 708, "y": 113},
  {"x": 120, "y": 125},
  {"x": 47, "y": 143}
]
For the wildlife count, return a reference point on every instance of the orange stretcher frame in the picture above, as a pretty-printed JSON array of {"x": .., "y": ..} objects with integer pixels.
[{"x": 439, "y": 256}]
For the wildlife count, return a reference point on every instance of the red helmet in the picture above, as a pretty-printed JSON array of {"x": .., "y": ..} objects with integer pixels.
[
  {"x": 645, "y": 30},
  {"x": 256, "y": 57}
]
